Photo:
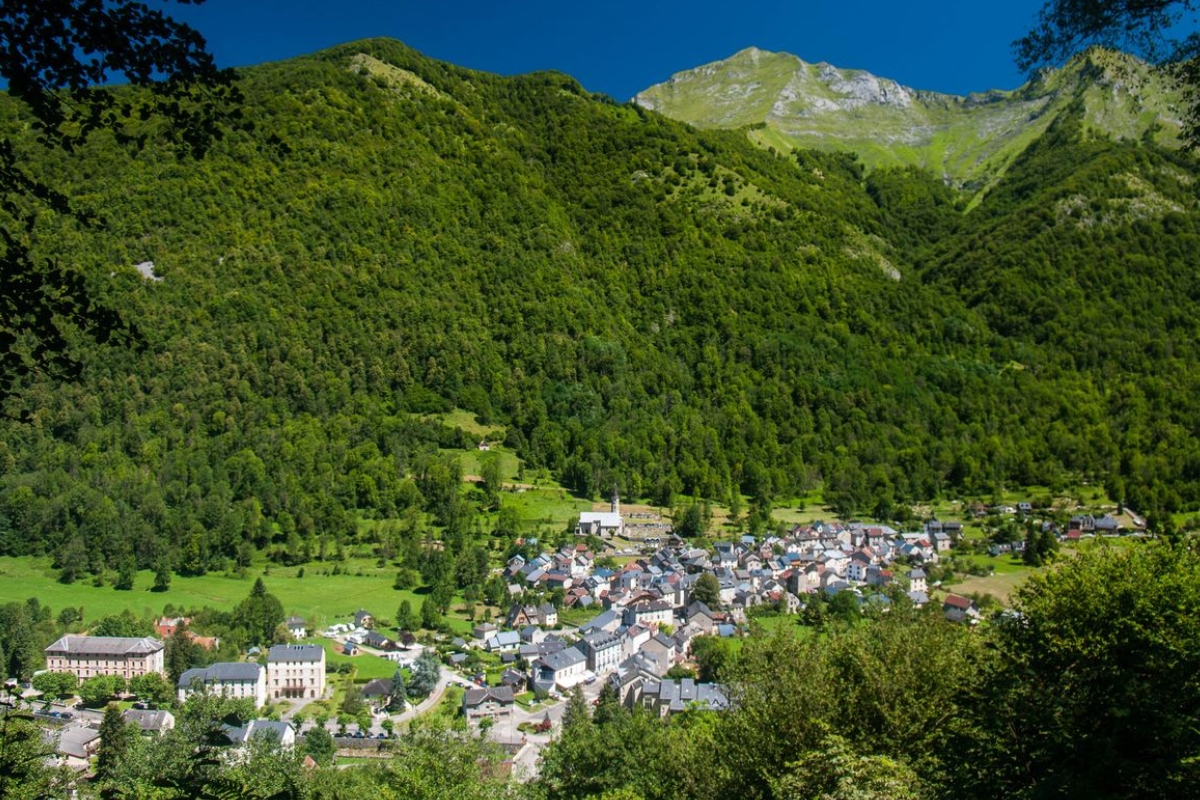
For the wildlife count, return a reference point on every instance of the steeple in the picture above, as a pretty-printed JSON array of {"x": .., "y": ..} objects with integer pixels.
[{"x": 616, "y": 502}]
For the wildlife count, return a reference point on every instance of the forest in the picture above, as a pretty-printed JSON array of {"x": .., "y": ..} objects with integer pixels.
[{"x": 640, "y": 305}]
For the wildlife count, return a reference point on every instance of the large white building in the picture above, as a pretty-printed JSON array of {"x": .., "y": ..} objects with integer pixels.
[
  {"x": 89, "y": 656},
  {"x": 296, "y": 671},
  {"x": 230, "y": 679}
]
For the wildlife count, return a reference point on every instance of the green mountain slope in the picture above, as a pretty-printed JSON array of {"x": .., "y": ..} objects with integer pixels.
[
  {"x": 638, "y": 303},
  {"x": 788, "y": 103}
]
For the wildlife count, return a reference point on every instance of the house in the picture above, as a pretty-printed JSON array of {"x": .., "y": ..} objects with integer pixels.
[
  {"x": 661, "y": 648},
  {"x": 564, "y": 668},
  {"x": 297, "y": 628},
  {"x": 296, "y": 671},
  {"x": 651, "y": 612},
  {"x": 547, "y": 615},
  {"x": 505, "y": 641},
  {"x": 282, "y": 732},
  {"x": 363, "y": 619},
  {"x": 378, "y": 641},
  {"x": 483, "y": 631},
  {"x": 88, "y": 656},
  {"x": 150, "y": 721},
  {"x": 917, "y": 580},
  {"x": 513, "y": 679},
  {"x": 608, "y": 621},
  {"x": 665, "y": 697},
  {"x": 603, "y": 651},
  {"x": 495, "y": 702},
  {"x": 960, "y": 609},
  {"x": 349, "y": 647},
  {"x": 229, "y": 679},
  {"x": 377, "y": 692},
  {"x": 76, "y": 745}
]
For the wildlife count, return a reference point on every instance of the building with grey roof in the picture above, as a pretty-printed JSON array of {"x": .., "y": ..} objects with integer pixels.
[
  {"x": 566, "y": 667},
  {"x": 89, "y": 656},
  {"x": 231, "y": 679},
  {"x": 666, "y": 697},
  {"x": 296, "y": 671},
  {"x": 494, "y": 701},
  {"x": 150, "y": 721},
  {"x": 281, "y": 732},
  {"x": 603, "y": 651}
]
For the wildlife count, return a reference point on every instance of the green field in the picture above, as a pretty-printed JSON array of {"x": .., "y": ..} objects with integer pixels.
[
  {"x": 319, "y": 598},
  {"x": 366, "y": 666}
]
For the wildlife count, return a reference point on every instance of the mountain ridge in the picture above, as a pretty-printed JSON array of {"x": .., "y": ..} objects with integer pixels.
[{"x": 967, "y": 140}]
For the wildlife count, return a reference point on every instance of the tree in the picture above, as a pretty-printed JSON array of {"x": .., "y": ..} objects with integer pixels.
[
  {"x": 352, "y": 701},
  {"x": 53, "y": 57},
  {"x": 115, "y": 738},
  {"x": 713, "y": 656},
  {"x": 690, "y": 522},
  {"x": 426, "y": 671},
  {"x": 490, "y": 471},
  {"x": 162, "y": 576},
  {"x": 99, "y": 689},
  {"x": 836, "y": 771},
  {"x": 1147, "y": 28},
  {"x": 319, "y": 744},
  {"x": 430, "y": 618},
  {"x": 56, "y": 684},
  {"x": 24, "y": 754},
  {"x": 1094, "y": 689},
  {"x": 259, "y": 615},
  {"x": 577, "y": 712},
  {"x": 397, "y": 692},
  {"x": 125, "y": 624},
  {"x": 126, "y": 574},
  {"x": 181, "y": 653},
  {"x": 707, "y": 590},
  {"x": 406, "y": 620},
  {"x": 154, "y": 688}
]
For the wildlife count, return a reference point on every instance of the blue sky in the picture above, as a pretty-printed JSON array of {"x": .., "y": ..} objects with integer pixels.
[{"x": 621, "y": 46}]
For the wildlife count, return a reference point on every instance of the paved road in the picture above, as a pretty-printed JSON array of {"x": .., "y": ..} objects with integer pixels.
[{"x": 526, "y": 761}]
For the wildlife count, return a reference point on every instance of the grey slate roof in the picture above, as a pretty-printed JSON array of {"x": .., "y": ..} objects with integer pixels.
[
  {"x": 73, "y": 741},
  {"x": 296, "y": 652},
  {"x": 498, "y": 694},
  {"x": 105, "y": 645},
  {"x": 562, "y": 659},
  {"x": 221, "y": 672},
  {"x": 150, "y": 720}
]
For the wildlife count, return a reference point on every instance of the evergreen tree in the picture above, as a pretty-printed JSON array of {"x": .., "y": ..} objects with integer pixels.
[
  {"x": 406, "y": 620},
  {"x": 426, "y": 671},
  {"x": 397, "y": 692},
  {"x": 115, "y": 739},
  {"x": 577, "y": 712},
  {"x": 162, "y": 576}
]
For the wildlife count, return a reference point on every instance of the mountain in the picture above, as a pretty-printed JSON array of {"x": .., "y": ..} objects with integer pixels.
[
  {"x": 784, "y": 102},
  {"x": 635, "y": 302}
]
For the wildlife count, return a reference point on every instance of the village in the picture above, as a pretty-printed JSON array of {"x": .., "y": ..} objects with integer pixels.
[{"x": 516, "y": 673}]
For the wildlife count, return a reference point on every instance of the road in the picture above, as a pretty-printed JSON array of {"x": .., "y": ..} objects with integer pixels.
[{"x": 525, "y": 763}]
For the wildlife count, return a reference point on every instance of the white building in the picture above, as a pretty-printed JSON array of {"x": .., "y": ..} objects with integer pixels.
[
  {"x": 89, "y": 656},
  {"x": 602, "y": 523},
  {"x": 603, "y": 651},
  {"x": 296, "y": 671},
  {"x": 228, "y": 679}
]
